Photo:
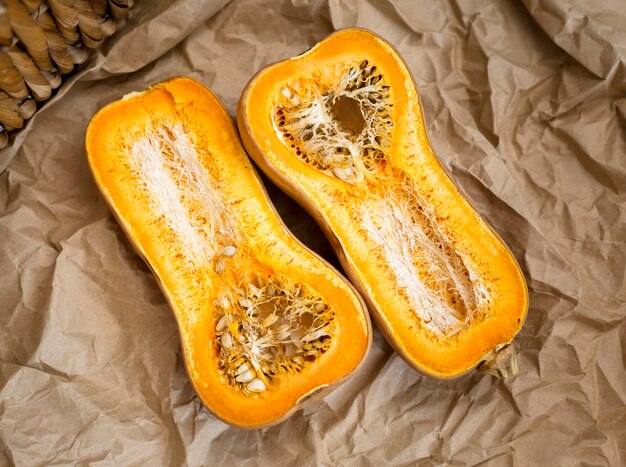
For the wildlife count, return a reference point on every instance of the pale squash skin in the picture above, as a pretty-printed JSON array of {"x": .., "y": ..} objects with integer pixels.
[
  {"x": 197, "y": 332},
  {"x": 480, "y": 341}
]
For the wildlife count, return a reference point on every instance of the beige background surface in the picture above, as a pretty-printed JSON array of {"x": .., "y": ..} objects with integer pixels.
[{"x": 526, "y": 108}]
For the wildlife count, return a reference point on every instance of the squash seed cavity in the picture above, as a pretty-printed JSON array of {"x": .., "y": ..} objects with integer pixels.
[
  {"x": 339, "y": 122},
  {"x": 438, "y": 282},
  {"x": 266, "y": 329},
  {"x": 184, "y": 196}
]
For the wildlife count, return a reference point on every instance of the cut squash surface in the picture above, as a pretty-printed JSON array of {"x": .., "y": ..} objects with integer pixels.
[
  {"x": 340, "y": 128},
  {"x": 264, "y": 322}
]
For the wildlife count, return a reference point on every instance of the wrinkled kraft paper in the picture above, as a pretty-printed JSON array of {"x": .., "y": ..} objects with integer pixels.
[{"x": 526, "y": 108}]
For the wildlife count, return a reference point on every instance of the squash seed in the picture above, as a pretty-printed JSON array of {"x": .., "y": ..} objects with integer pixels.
[
  {"x": 271, "y": 319},
  {"x": 227, "y": 341},
  {"x": 342, "y": 174},
  {"x": 243, "y": 368},
  {"x": 222, "y": 324},
  {"x": 220, "y": 265},
  {"x": 245, "y": 377},
  {"x": 257, "y": 385},
  {"x": 254, "y": 290},
  {"x": 229, "y": 250}
]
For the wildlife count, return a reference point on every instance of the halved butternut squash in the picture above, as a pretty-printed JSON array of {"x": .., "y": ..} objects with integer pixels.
[
  {"x": 340, "y": 129},
  {"x": 265, "y": 324}
]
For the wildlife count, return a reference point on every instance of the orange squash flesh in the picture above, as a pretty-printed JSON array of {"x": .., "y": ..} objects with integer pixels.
[
  {"x": 340, "y": 129},
  {"x": 183, "y": 251}
]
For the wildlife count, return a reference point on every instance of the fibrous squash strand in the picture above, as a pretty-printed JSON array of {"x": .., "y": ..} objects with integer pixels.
[
  {"x": 166, "y": 162},
  {"x": 442, "y": 290}
]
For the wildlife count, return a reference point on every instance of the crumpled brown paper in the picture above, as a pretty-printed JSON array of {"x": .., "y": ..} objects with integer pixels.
[{"x": 525, "y": 107}]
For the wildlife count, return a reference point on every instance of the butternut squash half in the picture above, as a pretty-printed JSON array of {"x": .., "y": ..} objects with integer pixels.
[
  {"x": 265, "y": 324},
  {"x": 340, "y": 129}
]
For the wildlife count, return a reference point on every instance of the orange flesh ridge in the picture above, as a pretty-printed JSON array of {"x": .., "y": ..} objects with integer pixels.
[
  {"x": 266, "y": 247},
  {"x": 337, "y": 203}
]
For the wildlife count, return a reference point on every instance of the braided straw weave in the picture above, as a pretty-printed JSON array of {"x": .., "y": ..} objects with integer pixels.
[{"x": 41, "y": 40}]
